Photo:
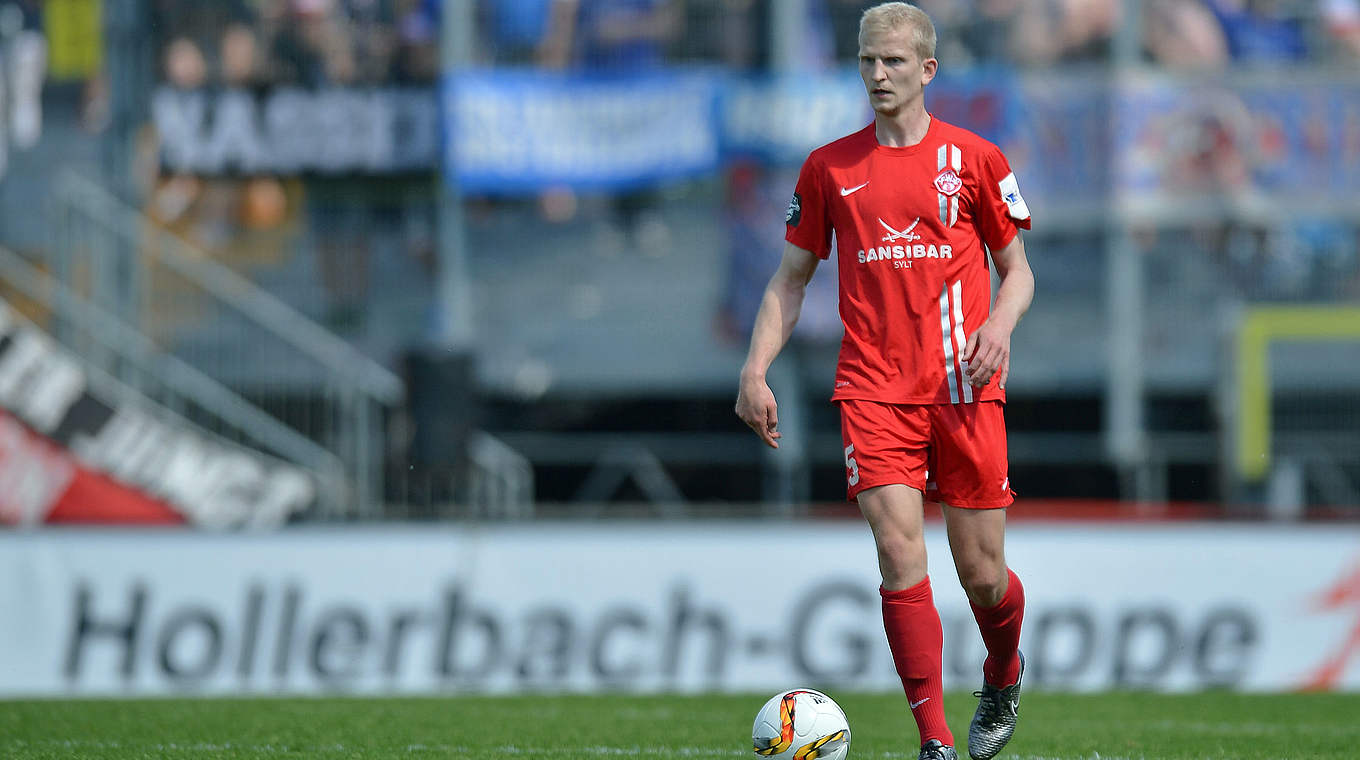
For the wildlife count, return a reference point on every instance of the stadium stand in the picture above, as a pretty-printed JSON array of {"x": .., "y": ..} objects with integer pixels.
[{"x": 610, "y": 315}]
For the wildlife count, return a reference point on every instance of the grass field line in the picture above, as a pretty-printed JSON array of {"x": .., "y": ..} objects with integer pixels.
[{"x": 195, "y": 748}]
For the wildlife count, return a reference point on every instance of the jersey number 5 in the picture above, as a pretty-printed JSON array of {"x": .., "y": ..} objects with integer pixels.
[{"x": 851, "y": 465}]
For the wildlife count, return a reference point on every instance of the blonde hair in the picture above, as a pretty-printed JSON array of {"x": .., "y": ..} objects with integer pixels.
[{"x": 889, "y": 16}]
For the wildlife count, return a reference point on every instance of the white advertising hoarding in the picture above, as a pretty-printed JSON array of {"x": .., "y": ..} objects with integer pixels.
[{"x": 657, "y": 606}]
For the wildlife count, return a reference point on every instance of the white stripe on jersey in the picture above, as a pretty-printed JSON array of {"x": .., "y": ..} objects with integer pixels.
[
  {"x": 956, "y": 161},
  {"x": 941, "y": 160},
  {"x": 949, "y": 375},
  {"x": 961, "y": 341}
]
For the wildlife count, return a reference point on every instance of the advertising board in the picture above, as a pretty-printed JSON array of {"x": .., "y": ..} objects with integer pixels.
[{"x": 657, "y": 607}]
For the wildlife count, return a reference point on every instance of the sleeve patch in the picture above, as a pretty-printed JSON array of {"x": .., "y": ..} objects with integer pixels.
[
  {"x": 795, "y": 211},
  {"x": 1010, "y": 193}
]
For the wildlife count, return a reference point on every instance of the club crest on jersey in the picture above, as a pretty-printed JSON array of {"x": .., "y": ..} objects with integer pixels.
[
  {"x": 948, "y": 182},
  {"x": 795, "y": 211}
]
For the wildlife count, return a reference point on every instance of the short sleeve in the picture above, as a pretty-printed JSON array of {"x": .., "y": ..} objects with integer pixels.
[
  {"x": 807, "y": 221},
  {"x": 1000, "y": 207}
]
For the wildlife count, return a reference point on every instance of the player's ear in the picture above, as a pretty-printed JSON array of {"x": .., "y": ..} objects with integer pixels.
[{"x": 928, "y": 69}]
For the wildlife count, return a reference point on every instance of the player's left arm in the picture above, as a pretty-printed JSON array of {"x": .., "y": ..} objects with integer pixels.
[{"x": 989, "y": 347}]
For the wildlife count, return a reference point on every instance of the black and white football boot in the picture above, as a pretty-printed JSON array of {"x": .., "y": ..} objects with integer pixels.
[
  {"x": 994, "y": 721},
  {"x": 937, "y": 750}
]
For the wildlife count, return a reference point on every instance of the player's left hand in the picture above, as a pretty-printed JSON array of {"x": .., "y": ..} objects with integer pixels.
[{"x": 987, "y": 353}]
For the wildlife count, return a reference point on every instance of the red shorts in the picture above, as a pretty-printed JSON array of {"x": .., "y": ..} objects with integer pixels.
[{"x": 954, "y": 453}]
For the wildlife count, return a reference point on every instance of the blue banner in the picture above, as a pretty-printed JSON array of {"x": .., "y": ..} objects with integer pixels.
[
  {"x": 780, "y": 120},
  {"x": 518, "y": 131}
]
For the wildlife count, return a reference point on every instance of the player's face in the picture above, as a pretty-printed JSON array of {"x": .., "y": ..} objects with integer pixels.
[{"x": 893, "y": 73}]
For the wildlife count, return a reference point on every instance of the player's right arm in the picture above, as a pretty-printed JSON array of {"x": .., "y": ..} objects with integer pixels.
[{"x": 779, "y": 309}]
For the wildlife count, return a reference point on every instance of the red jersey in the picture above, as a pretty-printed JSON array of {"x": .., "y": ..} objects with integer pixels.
[{"x": 911, "y": 225}]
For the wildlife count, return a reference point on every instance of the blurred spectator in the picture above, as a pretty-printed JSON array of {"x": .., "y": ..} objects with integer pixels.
[
  {"x": 241, "y": 65},
  {"x": 191, "y": 35},
  {"x": 373, "y": 37},
  {"x": 310, "y": 45},
  {"x": 620, "y": 35},
  {"x": 528, "y": 32},
  {"x": 730, "y": 32},
  {"x": 182, "y": 201},
  {"x": 185, "y": 66},
  {"x": 23, "y": 67},
  {"x": 952, "y": 20},
  {"x": 739, "y": 29},
  {"x": 73, "y": 33},
  {"x": 1004, "y": 32},
  {"x": 1183, "y": 34},
  {"x": 416, "y": 58},
  {"x": 1062, "y": 31},
  {"x": 1341, "y": 20},
  {"x": 1260, "y": 30}
]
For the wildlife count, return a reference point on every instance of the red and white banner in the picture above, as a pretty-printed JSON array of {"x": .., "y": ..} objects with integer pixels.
[
  {"x": 724, "y": 605},
  {"x": 41, "y": 482},
  {"x": 74, "y": 449}
]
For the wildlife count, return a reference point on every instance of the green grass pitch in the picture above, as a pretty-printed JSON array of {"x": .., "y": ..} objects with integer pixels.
[{"x": 1108, "y": 726}]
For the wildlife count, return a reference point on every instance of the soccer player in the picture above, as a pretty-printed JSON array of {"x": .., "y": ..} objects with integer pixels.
[{"x": 916, "y": 205}]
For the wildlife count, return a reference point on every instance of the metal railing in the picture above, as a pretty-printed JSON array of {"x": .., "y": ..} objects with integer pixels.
[
  {"x": 501, "y": 480},
  {"x": 196, "y": 314},
  {"x": 167, "y": 380},
  {"x": 164, "y": 318}
]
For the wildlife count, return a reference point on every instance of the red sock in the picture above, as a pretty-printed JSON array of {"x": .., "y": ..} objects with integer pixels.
[
  {"x": 916, "y": 640},
  {"x": 1000, "y": 627}
]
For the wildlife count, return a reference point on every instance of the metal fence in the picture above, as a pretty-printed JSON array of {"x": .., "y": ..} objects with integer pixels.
[{"x": 109, "y": 257}]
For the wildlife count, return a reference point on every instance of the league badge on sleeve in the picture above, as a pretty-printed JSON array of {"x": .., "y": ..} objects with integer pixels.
[
  {"x": 1010, "y": 193},
  {"x": 795, "y": 212}
]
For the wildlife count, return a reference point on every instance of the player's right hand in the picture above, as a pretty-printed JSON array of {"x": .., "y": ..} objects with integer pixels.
[{"x": 757, "y": 408}]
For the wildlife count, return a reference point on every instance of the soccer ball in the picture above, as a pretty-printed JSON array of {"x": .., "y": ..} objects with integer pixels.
[{"x": 802, "y": 724}]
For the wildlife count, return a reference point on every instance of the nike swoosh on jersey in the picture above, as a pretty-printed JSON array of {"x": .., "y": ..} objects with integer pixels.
[
  {"x": 915, "y": 705},
  {"x": 847, "y": 191}
]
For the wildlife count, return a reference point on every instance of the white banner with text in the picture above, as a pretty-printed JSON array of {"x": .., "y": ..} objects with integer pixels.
[{"x": 732, "y": 606}]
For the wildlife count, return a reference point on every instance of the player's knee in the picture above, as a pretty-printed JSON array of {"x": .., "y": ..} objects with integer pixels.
[
  {"x": 901, "y": 557},
  {"x": 900, "y": 548},
  {"x": 983, "y": 584}
]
